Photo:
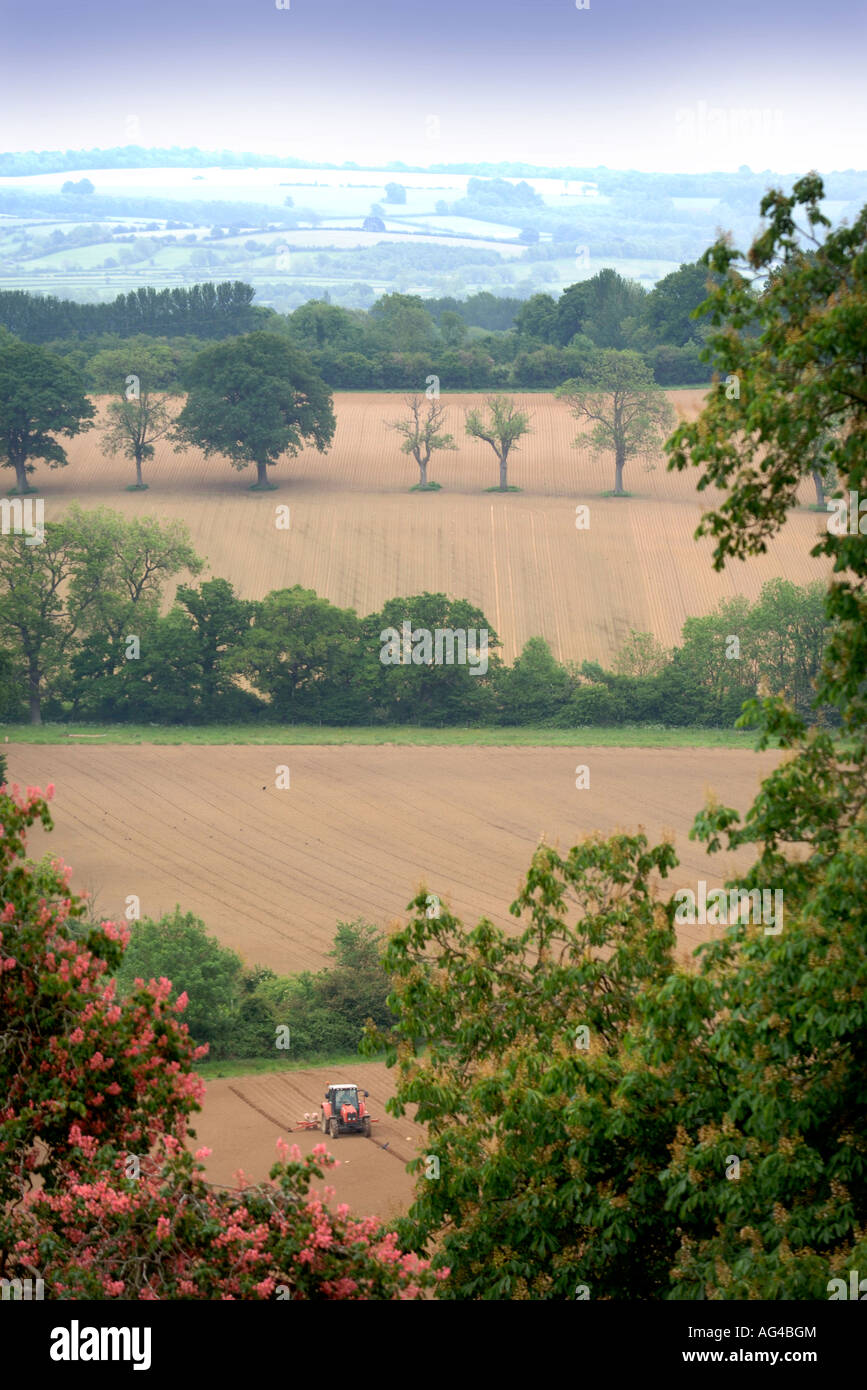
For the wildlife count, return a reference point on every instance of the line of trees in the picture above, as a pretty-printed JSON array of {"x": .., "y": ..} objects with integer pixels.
[
  {"x": 205, "y": 311},
  {"x": 471, "y": 344},
  {"x": 256, "y": 398},
  {"x": 85, "y": 638},
  {"x": 249, "y": 1010}
]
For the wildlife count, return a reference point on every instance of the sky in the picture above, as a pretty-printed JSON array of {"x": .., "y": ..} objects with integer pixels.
[{"x": 667, "y": 86}]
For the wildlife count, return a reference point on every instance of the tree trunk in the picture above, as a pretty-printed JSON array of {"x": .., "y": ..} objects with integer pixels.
[
  {"x": 422, "y": 468},
  {"x": 33, "y": 692},
  {"x": 138, "y": 471},
  {"x": 820, "y": 490},
  {"x": 504, "y": 480},
  {"x": 21, "y": 475},
  {"x": 262, "y": 472},
  {"x": 618, "y": 475}
]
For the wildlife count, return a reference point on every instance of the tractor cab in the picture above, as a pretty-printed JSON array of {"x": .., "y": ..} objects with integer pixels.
[{"x": 344, "y": 1111}]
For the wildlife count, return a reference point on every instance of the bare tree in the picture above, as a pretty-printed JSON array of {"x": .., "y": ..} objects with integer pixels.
[
  {"x": 503, "y": 426},
  {"x": 423, "y": 433}
]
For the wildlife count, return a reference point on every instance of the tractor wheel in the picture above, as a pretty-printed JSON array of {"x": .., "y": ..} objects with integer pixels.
[
  {"x": 365, "y": 1128},
  {"x": 334, "y": 1127},
  {"x": 324, "y": 1123}
]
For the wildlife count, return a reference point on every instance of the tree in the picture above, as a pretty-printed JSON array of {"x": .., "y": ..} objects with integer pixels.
[
  {"x": 253, "y": 400},
  {"x": 537, "y": 318},
  {"x": 302, "y": 653},
  {"x": 139, "y": 418},
  {"x": 669, "y": 309},
  {"x": 126, "y": 564},
  {"x": 502, "y": 427},
  {"x": 641, "y": 655},
  {"x": 395, "y": 193},
  {"x": 38, "y": 618},
  {"x": 401, "y": 323},
  {"x": 414, "y": 682},
  {"x": 621, "y": 400},
  {"x": 220, "y": 622},
  {"x": 75, "y": 597},
  {"x": 40, "y": 396},
  {"x": 536, "y": 687},
  {"x": 452, "y": 328},
  {"x": 510, "y": 1045},
  {"x": 598, "y": 308},
  {"x": 100, "y": 1195},
  {"x": 320, "y": 325},
  {"x": 797, "y": 353},
  {"x": 179, "y": 948},
  {"x": 423, "y": 432}
]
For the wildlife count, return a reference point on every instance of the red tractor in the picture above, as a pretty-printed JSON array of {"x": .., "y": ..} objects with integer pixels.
[{"x": 344, "y": 1112}]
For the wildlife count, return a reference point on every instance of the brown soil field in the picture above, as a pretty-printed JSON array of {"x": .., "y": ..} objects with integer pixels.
[
  {"x": 271, "y": 872},
  {"x": 358, "y": 536},
  {"x": 244, "y": 1116}
]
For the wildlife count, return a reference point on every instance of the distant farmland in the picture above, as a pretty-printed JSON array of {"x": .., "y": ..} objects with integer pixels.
[
  {"x": 358, "y": 535},
  {"x": 271, "y": 872}
]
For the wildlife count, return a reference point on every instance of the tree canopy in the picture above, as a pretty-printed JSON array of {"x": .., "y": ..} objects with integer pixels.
[
  {"x": 41, "y": 396},
  {"x": 253, "y": 400},
  {"x": 628, "y": 411}
]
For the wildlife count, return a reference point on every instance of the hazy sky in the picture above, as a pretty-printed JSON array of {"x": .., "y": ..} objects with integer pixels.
[{"x": 629, "y": 83}]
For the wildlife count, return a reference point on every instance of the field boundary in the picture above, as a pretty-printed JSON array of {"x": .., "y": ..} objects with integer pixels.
[{"x": 312, "y": 736}]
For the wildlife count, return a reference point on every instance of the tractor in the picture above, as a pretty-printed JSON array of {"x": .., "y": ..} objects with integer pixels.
[{"x": 343, "y": 1112}]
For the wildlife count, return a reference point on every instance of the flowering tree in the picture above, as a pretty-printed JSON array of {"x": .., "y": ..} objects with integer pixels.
[{"x": 99, "y": 1195}]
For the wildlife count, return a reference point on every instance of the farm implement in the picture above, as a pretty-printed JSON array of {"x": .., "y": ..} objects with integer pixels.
[{"x": 344, "y": 1111}]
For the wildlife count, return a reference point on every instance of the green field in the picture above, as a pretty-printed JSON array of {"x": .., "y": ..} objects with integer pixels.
[
  {"x": 239, "y": 1066},
  {"x": 621, "y": 736}
]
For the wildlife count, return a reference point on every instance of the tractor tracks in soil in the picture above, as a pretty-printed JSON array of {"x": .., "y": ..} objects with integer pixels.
[
  {"x": 386, "y": 1147},
  {"x": 253, "y": 1106}
]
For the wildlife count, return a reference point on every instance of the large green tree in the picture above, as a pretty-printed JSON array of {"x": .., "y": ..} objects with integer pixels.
[
  {"x": 303, "y": 654},
  {"x": 37, "y": 624},
  {"x": 255, "y": 399},
  {"x": 41, "y": 396},
  {"x": 411, "y": 680},
  {"x": 177, "y": 947},
  {"x": 669, "y": 311},
  {"x": 599, "y": 308},
  {"x": 69, "y": 605},
  {"x": 401, "y": 323},
  {"x": 627, "y": 410}
]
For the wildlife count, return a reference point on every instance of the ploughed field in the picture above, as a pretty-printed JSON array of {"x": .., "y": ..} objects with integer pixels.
[
  {"x": 271, "y": 871},
  {"x": 243, "y": 1117},
  {"x": 359, "y": 536}
]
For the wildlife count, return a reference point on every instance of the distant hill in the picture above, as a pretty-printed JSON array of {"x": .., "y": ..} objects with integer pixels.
[{"x": 848, "y": 184}]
